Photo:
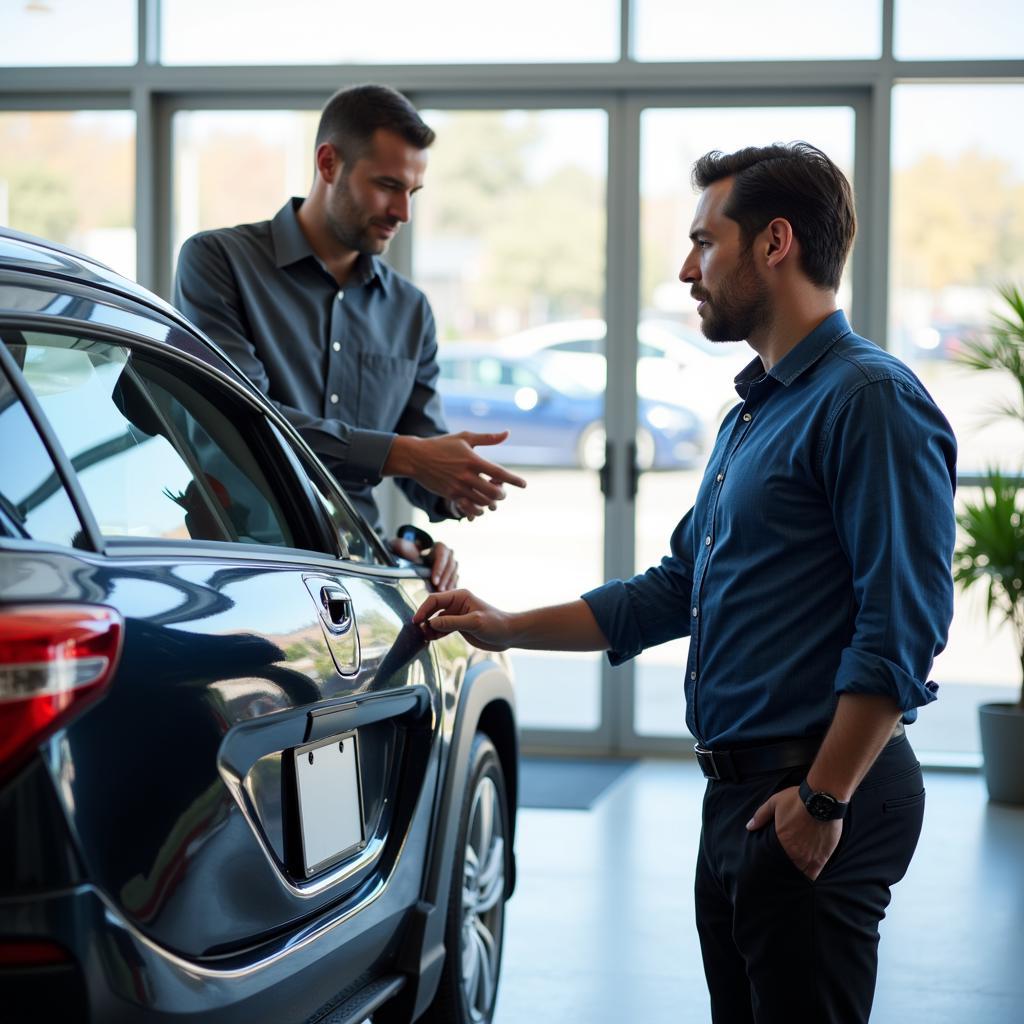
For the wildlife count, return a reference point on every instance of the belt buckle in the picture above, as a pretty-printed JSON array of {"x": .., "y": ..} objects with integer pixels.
[{"x": 706, "y": 760}]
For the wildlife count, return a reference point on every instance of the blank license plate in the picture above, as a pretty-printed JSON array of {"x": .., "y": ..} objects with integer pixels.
[{"x": 330, "y": 801}]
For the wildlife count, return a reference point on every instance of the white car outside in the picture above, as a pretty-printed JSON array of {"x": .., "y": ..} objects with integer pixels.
[{"x": 675, "y": 364}]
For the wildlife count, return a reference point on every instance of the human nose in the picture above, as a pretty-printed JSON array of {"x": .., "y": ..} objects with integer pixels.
[
  {"x": 690, "y": 270},
  {"x": 401, "y": 207}
]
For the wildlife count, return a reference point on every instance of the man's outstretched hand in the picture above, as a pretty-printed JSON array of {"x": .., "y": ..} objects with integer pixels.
[
  {"x": 449, "y": 466},
  {"x": 460, "y": 611},
  {"x": 444, "y": 570}
]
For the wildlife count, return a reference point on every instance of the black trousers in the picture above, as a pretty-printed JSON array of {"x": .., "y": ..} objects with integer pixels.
[{"x": 778, "y": 947}]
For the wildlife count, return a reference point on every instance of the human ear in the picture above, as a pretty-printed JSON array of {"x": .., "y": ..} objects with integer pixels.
[
  {"x": 328, "y": 162},
  {"x": 778, "y": 237}
]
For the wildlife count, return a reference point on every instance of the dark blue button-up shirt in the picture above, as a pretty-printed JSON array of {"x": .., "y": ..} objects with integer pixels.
[{"x": 816, "y": 560}]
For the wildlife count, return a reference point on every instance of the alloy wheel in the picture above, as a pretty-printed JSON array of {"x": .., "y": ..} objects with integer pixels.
[{"x": 483, "y": 900}]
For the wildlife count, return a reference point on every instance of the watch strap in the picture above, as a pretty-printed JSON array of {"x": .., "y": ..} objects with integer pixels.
[{"x": 820, "y": 805}]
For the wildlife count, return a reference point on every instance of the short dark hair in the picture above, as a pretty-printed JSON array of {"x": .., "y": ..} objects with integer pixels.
[
  {"x": 796, "y": 181},
  {"x": 352, "y": 115}
]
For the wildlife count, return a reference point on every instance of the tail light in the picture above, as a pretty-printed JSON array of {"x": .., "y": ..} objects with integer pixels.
[
  {"x": 31, "y": 953},
  {"x": 55, "y": 660}
]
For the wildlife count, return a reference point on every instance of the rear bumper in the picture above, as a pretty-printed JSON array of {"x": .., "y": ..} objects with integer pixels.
[{"x": 118, "y": 975}]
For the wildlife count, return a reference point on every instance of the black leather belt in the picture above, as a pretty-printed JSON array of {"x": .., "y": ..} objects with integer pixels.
[{"x": 744, "y": 762}]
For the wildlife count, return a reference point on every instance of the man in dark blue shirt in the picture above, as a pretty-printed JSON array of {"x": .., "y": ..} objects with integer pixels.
[{"x": 813, "y": 579}]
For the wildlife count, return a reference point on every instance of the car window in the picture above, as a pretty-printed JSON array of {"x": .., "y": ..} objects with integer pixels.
[
  {"x": 518, "y": 376},
  {"x": 488, "y": 370},
  {"x": 156, "y": 456},
  {"x": 33, "y": 502},
  {"x": 354, "y": 542},
  {"x": 582, "y": 345}
]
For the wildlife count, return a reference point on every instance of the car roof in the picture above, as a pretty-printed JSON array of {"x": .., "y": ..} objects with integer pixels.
[
  {"x": 20, "y": 251},
  {"x": 43, "y": 259}
]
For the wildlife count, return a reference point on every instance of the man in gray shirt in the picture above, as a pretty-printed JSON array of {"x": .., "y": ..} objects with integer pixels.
[{"x": 342, "y": 344}]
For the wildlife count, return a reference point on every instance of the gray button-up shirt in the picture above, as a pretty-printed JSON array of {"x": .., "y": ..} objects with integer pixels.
[{"x": 351, "y": 367}]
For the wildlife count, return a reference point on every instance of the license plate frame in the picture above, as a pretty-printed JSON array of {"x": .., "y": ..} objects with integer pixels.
[{"x": 328, "y": 802}]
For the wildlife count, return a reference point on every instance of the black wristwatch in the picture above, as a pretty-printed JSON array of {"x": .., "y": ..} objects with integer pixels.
[{"x": 821, "y": 806}]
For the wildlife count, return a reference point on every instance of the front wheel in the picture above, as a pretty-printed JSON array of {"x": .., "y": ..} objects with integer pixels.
[
  {"x": 590, "y": 448},
  {"x": 474, "y": 931}
]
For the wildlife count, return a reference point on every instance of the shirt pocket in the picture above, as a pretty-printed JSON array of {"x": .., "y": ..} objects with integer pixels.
[{"x": 385, "y": 385}]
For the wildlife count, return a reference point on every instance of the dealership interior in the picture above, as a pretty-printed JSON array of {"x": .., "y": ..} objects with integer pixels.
[{"x": 555, "y": 216}]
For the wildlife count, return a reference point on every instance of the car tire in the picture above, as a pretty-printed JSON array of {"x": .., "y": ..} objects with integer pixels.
[
  {"x": 646, "y": 449},
  {"x": 590, "y": 448},
  {"x": 474, "y": 929}
]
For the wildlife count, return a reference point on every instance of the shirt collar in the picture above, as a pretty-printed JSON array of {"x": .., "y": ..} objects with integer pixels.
[
  {"x": 291, "y": 245},
  {"x": 806, "y": 353},
  {"x": 798, "y": 359}
]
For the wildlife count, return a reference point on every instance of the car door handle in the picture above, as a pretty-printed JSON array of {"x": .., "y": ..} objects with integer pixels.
[{"x": 337, "y": 606}]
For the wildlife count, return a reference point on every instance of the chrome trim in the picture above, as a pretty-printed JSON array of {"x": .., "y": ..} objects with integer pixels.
[
  {"x": 196, "y": 969},
  {"x": 303, "y": 890}
]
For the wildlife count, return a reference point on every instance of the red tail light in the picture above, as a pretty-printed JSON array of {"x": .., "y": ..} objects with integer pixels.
[
  {"x": 31, "y": 953},
  {"x": 54, "y": 661}
]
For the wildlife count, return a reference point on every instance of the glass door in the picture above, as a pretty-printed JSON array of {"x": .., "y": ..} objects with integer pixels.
[
  {"x": 509, "y": 245},
  {"x": 684, "y": 382}
]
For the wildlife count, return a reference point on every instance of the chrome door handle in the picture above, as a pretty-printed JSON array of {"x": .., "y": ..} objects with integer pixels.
[{"x": 337, "y": 606}]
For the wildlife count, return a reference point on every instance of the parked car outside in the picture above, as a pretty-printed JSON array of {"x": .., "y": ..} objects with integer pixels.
[
  {"x": 554, "y": 409},
  {"x": 234, "y": 783},
  {"x": 674, "y": 363}
]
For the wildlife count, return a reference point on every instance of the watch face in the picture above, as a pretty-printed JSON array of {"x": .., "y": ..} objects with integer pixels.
[{"x": 821, "y": 806}]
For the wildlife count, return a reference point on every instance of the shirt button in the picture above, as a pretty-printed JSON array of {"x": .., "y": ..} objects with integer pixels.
[
  {"x": 720, "y": 477},
  {"x": 747, "y": 417},
  {"x": 695, "y": 611},
  {"x": 336, "y": 346},
  {"x": 340, "y": 296},
  {"x": 334, "y": 399},
  {"x": 693, "y": 675},
  {"x": 707, "y": 542}
]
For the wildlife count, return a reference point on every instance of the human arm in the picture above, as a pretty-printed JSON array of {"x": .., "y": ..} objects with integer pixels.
[
  {"x": 888, "y": 472},
  {"x": 861, "y": 727},
  {"x": 563, "y": 627},
  {"x": 214, "y": 288},
  {"x": 423, "y": 418},
  {"x": 450, "y": 466}
]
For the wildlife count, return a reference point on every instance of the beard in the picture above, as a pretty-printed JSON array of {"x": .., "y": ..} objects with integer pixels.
[
  {"x": 348, "y": 223},
  {"x": 739, "y": 307}
]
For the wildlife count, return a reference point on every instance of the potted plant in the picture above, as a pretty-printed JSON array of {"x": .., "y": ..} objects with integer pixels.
[{"x": 990, "y": 553}]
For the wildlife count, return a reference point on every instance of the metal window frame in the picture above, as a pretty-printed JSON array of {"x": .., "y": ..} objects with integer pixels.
[{"x": 623, "y": 88}]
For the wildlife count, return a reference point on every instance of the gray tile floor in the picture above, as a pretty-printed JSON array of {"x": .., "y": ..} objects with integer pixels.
[{"x": 600, "y": 930}]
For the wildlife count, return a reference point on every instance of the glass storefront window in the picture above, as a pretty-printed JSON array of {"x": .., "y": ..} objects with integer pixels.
[
  {"x": 209, "y": 192},
  {"x": 958, "y": 29},
  {"x": 750, "y": 30},
  {"x": 47, "y": 187},
  {"x": 58, "y": 33},
  {"x": 411, "y": 32},
  {"x": 677, "y": 365},
  {"x": 958, "y": 232},
  {"x": 509, "y": 242}
]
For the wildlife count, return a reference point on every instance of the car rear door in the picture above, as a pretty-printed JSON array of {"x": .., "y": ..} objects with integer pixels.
[{"x": 273, "y": 718}]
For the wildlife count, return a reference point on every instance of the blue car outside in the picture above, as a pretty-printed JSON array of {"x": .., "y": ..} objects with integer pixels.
[{"x": 555, "y": 418}]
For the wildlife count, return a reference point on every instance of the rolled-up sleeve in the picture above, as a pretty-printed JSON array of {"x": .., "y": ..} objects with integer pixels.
[
  {"x": 652, "y": 607},
  {"x": 888, "y": 462}
]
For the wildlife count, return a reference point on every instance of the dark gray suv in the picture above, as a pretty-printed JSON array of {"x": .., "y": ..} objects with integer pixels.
[{"x": 234, "y": 783}]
